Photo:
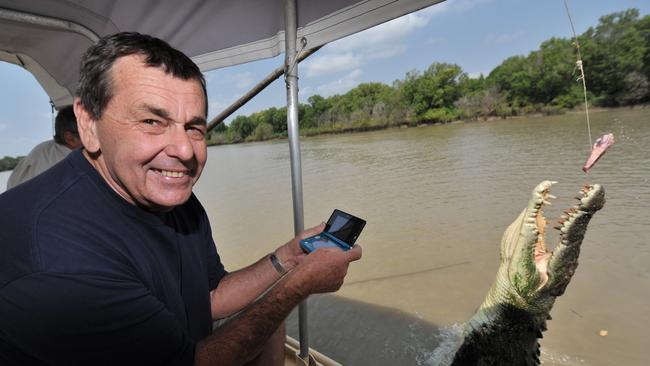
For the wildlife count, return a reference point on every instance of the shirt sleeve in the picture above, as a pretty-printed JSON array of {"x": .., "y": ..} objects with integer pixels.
[
  {"x": 216, "y": 270},
  {"x": 91, "y": 320},
  {"x": 19, "y": 174}
]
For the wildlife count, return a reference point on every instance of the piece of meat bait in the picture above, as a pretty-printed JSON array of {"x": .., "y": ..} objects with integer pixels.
[{"x": 598, "y": 150}]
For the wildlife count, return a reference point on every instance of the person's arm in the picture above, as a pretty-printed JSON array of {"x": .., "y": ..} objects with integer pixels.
[
  {"x": 238, "y": 289},
  {"x": 242, "y": 338}
]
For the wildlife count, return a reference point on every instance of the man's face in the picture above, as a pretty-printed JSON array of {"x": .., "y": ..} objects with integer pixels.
[{"x": 149, "y": 143}]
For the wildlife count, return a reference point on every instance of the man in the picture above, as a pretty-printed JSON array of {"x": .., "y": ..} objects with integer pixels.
[
  {"x": 108, "y": 258},
  {"x": 48, "y": 153}
]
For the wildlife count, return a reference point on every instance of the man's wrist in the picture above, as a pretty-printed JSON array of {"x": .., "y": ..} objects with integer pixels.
[{"x": 277, "y": 264}]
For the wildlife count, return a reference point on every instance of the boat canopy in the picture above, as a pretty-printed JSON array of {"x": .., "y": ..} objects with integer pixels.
[{"x": 48, "y": 37}]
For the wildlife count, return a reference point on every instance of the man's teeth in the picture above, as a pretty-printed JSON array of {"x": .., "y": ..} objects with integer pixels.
[{"x": 167, "y": 173}]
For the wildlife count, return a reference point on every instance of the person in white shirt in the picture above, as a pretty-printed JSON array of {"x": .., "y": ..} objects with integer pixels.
[{"x": 48, "y": 153}]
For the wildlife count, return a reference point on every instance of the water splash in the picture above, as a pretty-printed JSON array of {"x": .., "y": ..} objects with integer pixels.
[
  {"x": 449, "y": 341},
  {"x": 552, "y": 359},
  {"x": 623, "y": 133}
]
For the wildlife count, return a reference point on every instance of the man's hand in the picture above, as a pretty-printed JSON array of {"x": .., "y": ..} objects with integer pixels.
[
  {"x": 323, "y": 270},
  {"x": 290, "y": 254}
]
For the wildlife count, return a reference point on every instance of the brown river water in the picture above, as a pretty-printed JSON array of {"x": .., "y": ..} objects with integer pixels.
[{"x": 437, "y": 200}]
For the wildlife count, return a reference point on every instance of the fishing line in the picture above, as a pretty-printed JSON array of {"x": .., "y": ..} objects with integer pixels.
[{"x": 582, "y": 71}]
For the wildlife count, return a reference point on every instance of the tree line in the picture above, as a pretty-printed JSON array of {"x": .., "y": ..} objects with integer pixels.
[
  {"x": 615, "y": 55},
  {"x": 9, "y": 163}
]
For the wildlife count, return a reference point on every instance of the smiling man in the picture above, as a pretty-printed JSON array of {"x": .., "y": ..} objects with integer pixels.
[
  {"x": 108, "y": 257},
  {"x": 148, "y": 144}
]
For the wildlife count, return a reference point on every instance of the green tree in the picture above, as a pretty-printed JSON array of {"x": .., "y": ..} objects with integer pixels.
[
  {"x": 438, "y": 87},
  {"x": 643, "y": 27},
  {"x": 9, "y": 163},
  {"x": 480, "y": 104},
  {"x": 263, "y": 131},
  {"x": 552, "y": 70},
  {"x": 315, "y": 111},
  {"x": 221, "y": 127},
  {"x": 613, "y": 50},
  {"x": 470, "y": 85},
  {"x": 242, "y": 126},
  {"x": 513, "y": 80}
]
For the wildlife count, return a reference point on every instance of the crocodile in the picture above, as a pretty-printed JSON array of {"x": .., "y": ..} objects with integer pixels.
[{"x": 506, "y": 328}]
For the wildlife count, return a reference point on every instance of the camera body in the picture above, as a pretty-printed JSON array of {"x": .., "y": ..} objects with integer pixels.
[{"x": 341, "y": 230}]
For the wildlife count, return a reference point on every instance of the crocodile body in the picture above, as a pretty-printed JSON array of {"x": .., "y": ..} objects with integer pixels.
[{"x": 506, "y": 328}]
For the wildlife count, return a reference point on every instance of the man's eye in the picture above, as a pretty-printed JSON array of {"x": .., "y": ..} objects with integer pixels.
[
  {"x": 196, "y": 132},
  {"x": 152, "y": 122}
]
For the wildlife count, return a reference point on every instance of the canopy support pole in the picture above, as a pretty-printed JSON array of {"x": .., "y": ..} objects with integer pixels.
[
  {"x": 48, "y": 22},
  {"x": 291, "y": 79}
]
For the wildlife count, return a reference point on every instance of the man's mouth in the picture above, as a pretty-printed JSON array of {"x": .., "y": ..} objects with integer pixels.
[{"x": 170, "y": 173}]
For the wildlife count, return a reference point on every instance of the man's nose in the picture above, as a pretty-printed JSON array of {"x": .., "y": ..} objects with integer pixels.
[{"x": 179, "y": 145}]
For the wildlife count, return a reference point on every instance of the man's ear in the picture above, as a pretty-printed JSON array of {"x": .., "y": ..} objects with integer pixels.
[{"x": 87, "y": 127}]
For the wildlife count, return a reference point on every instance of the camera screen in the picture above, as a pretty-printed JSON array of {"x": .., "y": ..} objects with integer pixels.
[
  {"x": 345, "y": 227},
  {"x": 323, "y": 241}
]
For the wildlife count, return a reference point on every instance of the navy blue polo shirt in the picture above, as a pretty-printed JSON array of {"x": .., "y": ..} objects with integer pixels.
[{"x": 88, "y": 279}]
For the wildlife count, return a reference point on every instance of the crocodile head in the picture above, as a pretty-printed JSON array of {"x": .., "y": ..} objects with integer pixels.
[
  {"x": 531, "y": 276},
  {"x": 529, "y": 279}
]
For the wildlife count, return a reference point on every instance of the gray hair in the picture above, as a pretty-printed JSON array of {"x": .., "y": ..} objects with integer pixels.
[{"x": 95, "y": 84}]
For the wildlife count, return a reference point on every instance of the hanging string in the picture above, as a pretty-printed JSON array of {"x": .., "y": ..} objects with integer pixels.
[
  {"x": 294, "y": 58},
  {"x": 582, "y": 71}
]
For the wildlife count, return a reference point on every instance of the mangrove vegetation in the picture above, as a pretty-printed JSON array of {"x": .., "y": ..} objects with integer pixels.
[
  {"x": 615, "y": 54},
  {"x": 9, "y": 163}
]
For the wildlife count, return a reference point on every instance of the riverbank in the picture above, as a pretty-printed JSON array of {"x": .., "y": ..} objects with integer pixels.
[
  {"x": 369, "y": 126},
  {"x": 8, "y": 163}
]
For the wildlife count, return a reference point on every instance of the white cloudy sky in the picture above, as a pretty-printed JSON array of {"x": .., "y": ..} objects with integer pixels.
[{"x": 475, "y": 34}]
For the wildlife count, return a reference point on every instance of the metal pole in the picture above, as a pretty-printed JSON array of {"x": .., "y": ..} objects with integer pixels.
[
  {"x": 255, "y": 90},
  {"x": 48, "y": 22},
  {"x": 291, "y": 79}
]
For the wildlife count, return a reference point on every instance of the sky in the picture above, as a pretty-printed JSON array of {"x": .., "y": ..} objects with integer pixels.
[{"x": 477, "y": 35}]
